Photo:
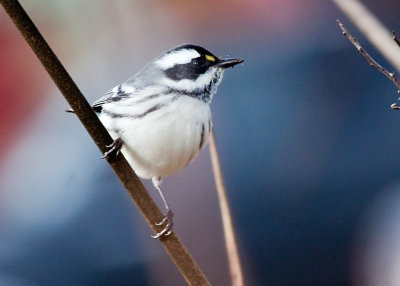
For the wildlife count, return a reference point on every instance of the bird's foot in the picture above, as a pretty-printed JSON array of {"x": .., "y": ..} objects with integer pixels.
[
  {"x": 115, "y": 148},
  {"x": 168, "y": 223}
]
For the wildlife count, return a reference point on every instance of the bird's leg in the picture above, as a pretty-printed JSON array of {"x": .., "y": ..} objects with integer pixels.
[
  {"x": 167, "y": 221},
  {"x": 115, "y": 148}
]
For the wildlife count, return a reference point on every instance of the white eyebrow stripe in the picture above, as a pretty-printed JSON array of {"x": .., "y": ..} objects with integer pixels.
[{"x": 183, "y": 56}]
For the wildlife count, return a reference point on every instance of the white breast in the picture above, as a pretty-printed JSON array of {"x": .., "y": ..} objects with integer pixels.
[{"x": 164, "y": 141}]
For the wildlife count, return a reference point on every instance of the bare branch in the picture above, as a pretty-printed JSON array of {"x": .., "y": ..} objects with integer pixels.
[
  {"x": 172, "y": 244},
  {"x": 370, "y": 60},
  {"x": 372, "y": 29}
]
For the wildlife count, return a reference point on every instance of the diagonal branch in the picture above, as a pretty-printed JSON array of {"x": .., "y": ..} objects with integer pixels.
[
  {"x": 372, "y": 29},
  {"x": 390, "y": 75},
  {"x": 172, "y": 244}
]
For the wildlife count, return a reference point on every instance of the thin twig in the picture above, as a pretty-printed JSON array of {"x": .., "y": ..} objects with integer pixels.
[
  {"x": 394, "y": 106},
  {"x": 372, "y": 29},
  {"x": 395, "y": 39},
  {"x": 377, "y": 34},
  {"x": 172, "y": 244},
  {"x": 390, "y": 75},
  {"x": 370, "y": 60},
  {"x": 229, "y": 233}
]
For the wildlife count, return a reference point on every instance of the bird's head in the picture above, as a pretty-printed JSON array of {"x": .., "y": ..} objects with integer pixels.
[{"x": 192, "y": 70}]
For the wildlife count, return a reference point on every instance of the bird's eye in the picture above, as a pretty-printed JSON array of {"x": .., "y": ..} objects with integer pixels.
[
  {"x": 196, "y": 61},
  {"x": 199, "y": 61}
]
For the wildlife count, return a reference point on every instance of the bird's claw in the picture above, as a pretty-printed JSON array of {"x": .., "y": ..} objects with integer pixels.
[
  {"x": 115, "y": 148},
  {"x": 168, "y": 222}
]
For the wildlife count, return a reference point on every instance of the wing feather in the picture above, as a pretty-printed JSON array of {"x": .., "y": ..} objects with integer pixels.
[{"x": 120, "y": 92}]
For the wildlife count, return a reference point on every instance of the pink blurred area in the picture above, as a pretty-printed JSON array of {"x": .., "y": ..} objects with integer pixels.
[
  {"x": 22, "y": 80},
  {"x": 236, "y": 17}
]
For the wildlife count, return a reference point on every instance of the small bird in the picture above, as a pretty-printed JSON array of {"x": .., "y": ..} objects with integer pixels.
[{"x": 160, "y": 118}]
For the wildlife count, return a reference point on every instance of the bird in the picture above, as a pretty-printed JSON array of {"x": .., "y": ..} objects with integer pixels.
[{"x": 160, "y": 118}]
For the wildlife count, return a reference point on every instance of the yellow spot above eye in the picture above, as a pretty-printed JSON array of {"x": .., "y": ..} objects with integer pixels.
[{"x": 210, "y": 58}]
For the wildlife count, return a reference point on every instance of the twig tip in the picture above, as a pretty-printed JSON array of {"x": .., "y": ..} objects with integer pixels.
[{"x": 394, "y": 106}]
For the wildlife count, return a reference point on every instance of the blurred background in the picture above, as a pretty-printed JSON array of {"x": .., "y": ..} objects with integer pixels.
[{"x": 307, "y": 141}]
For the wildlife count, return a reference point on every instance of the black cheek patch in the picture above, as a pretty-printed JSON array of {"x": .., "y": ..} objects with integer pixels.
[{"x": 186, "y": 71}]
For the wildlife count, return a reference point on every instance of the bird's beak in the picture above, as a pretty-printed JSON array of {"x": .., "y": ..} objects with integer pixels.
[{"x": 227, "y": 63}]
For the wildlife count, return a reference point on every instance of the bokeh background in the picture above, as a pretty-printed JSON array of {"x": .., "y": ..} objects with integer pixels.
[{"x": 308, "y": 144}]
